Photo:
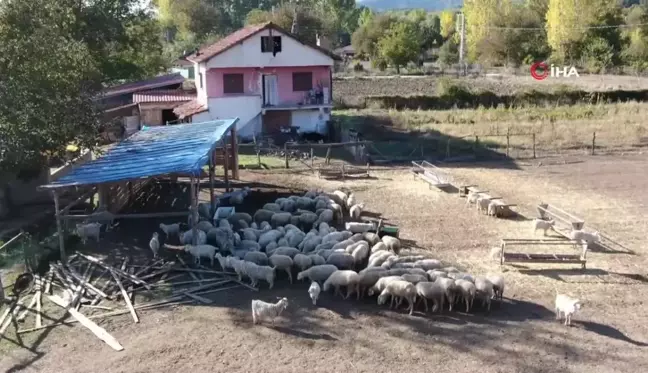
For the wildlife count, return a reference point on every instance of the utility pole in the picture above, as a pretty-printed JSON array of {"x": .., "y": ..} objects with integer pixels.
[{"x": 461, "y": 27}]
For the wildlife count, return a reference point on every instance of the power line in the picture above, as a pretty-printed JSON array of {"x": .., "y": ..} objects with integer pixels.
[{"x": 574, "y": 28}]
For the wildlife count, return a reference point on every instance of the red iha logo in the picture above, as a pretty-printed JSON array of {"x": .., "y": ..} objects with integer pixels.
[{"x": 539, "y": 70}]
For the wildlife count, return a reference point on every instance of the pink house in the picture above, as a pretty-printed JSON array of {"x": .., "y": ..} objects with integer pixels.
[{"x": 267, "y": 78}]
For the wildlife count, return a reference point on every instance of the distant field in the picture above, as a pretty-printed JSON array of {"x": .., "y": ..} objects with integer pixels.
[
  {"x": 617, "y": 126},
  {"x": 351, "y": 90}
]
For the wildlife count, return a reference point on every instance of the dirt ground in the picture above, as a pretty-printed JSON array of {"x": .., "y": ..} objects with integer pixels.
[{"x": 519, "y": 335}]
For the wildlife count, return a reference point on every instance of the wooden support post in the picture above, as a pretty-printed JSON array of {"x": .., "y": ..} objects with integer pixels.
[
  {"x": 328, "y": 156},
  {"x": 534, "y": 146},
  {"x": 448, "y": 148},
  {"x": 508, "y": 141},
  {"x": 59, "y": 227},
  {"x": 502, "y": 253},
  {"x": 211, "y": 184},
  {"x": 194, "y": 212},
  {"x": 233, "y": 141},
  {"x": 476, "y": 144},
  {"x": 226, "y": 166},
  {"x": 593, "y": 142},
  {"x": 312, "y": 156},
  {"x": 286, "y": 154}
]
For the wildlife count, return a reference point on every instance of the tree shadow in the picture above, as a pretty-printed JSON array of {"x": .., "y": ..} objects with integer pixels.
[
  {"x": 303, "y": 334},
  {"x": 610, "y": 332}
]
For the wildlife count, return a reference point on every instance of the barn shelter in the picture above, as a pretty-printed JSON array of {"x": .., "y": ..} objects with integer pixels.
[{"x": 153, "y": 152}]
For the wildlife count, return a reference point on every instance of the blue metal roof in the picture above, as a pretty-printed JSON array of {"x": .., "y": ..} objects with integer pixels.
[{"x": 182, "y": 148}]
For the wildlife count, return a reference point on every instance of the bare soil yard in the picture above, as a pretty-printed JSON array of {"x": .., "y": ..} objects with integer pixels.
[{"x": 519, "y": 335}]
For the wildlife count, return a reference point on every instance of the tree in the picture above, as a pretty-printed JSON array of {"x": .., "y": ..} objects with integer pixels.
[
  {"x": 54, "y": 57},
  {"x": 400, "y": 45},
  {"x": 310, "y": 24},
  {"x": 448, "y": 20},
  {"x": 365, "y": 39},
  {"x": 449, "y": 53},
  {"x": 481, "y": 15},
  {"x": 366, "y": 14},
  {"x": 563, "y": 18}
]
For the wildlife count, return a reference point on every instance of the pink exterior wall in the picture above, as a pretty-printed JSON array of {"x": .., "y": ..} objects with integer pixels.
[{"x": 321, "y": 74}]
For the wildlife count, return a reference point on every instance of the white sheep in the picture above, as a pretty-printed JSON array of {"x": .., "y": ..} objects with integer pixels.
[
  {"x": 428, "y": 264},
  {"x": 223, "y": 238},
  {"x": 399, "y": 289},
  {"x": 341, "y": 260},
  {"x": 339, "y": 197},
  {"x": 484, "y": 290},
  {"x": 380, "y": 285},
  {"x": 263, "y": 310},
  {"x": 256, "y": 257},
  {"x": 316, "y": 259},
  {"x": 236, "y": 198},
  {"x": 154, "y": 244},
  {"x": 260, "y": 272},
  {"x": 482, "y": 204},
  {"x": 368, "y": 278},
  {"x": 378, "y": 258},
  {"x": 414, "y": 278},
  {"x": 272, "y": 207},
  {"x": 449, "y": 288},
  {"x": 263, "y": 215},
  {"x": 269, "y": 236},
  {"x": 280, "y": 219},
  {"x": 223, "y": 261},
  {"x": 467, "y": 290},
  {"x": 360, "y": 252},
  {"x": 186, "y": 238},
  {"x": 88, "y": 230},
  {"x": 585, "y": 237},
  {"x": 314, "y": 291},
  {"x": 204, "y": 226},
  {"x": 336, "y": 236},
  {"x": 325, "y": 217},
  {"x": 380, "y": 246},
  {"x": 347, "y": 278},
  {"x": 495, "y": 252},
  {"x": 351, "y": 201},
  {"x": 545, "y": 225},
  {"x": 356, "y": 211},
  {"x": 201, "y": 251},
  {"x": 285, "y": 250},
  {"x": 342, "y": 245},
  {"x": 170, "y": 229},
  {"x": 238, "y": 265},
  {"x": 318, "y": 273},
  {"x": 498, "y": 285},
  {"x": 302, "y": 261},
  {"x": 434, "y": 274},
  {"x": 432, "y": 291},
  {"x": 282, "y": 262},
  {"x": 471, "y": 198},
  {"x": 392, "y": 243},
  {"x": 567, "y": 306}
]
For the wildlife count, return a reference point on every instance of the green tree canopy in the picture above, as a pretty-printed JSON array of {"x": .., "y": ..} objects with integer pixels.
[{"x": 400, "y": 45}]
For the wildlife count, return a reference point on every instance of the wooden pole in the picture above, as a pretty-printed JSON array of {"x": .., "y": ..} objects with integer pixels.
[
  {"x": 534, "y": 146},
  {"x": 233, "y": 141},
  {"x": 508, "y": 140},
  {"x": 593, "y": 142},
  {"x": 328, "y": 155},
  {"x": 226, "y": 166},
  {"x": 194, "y": 213},
  {"x": 59, "y": 227},
  {"x": 286, "y": 154},
  {"x": 476, "y": 144},
  {"x": 311, "y": 154},
  {"x": 211, "y": 183}
]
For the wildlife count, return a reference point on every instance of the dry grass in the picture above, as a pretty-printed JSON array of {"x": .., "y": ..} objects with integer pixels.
[{"x": 616, "y": 125}]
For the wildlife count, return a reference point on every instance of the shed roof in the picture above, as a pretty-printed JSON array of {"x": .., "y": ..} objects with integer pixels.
[
  {"x": 163, "y": 95},
  {"x": 156, "y": 82},
  {"x": 153, "y": 151}
]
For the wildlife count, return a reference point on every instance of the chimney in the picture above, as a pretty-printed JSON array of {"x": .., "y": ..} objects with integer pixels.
[{"x": 323, "y": 42}]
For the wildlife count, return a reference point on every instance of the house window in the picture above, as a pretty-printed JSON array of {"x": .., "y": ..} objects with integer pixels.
[
  {"x": 302, "y": 82},
  {"x": 266, "y": 45},
  {"x": 232, "y": 83},
  {"x": 200, "y": 78}
]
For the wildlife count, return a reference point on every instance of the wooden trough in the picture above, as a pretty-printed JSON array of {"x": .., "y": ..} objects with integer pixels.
[
  {"x": 431, "y": 174},
  {"x": 342, "y": 171},
  {"x": 565, "y": 222},
  {"x": 517, "y": 257}
]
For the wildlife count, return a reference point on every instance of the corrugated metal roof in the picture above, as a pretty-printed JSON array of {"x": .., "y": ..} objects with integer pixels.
[
  {"x": 182, "y": 148},
  {"x": 156, "y": 82},
  {"x": 163, "y": 95}
]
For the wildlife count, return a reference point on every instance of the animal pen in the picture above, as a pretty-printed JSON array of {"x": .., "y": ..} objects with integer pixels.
[{"x": 172, "y": 151}]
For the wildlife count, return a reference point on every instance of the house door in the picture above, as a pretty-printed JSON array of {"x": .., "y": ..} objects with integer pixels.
[{"x": 270, "y": 90}]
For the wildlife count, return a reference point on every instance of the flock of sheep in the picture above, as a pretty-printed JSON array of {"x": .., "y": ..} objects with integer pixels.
[{"x": 297, "y": 234}]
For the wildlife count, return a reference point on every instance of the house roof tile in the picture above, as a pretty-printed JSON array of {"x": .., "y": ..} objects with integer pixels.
[
  {"x": 206, "y": 53},
  {"x": 147, "y": 84},
  {"x": 163, "y": 95},
  {"x": 190, "y": 108}
]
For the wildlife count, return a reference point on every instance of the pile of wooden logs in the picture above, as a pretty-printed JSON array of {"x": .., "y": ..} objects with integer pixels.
[{"x": 90, "y": 283}]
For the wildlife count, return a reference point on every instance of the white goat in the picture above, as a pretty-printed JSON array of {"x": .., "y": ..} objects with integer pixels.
[
  {"x": 545, "y": 225},
  {"x": 154, "y": 244},
  {"x": 88, "y": 230},
  {"x": 201, "y": 251},
  {"x": 171, "y": 229},
  {"x": 262, "y": 310},
  {"x": 567, "y": 306},
  {"x": 314, "y": 291},
  {"x": 356, "y": 210}
]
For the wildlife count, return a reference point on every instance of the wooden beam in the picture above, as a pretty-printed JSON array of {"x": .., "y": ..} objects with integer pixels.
[
  {"x": 132, "y": 216},
  {"x": 234, "y": 144},
  {"x": 226, "y": 166},
  {"x": 100, "y": 332},
  {"x": 126, "y": 297},
  {"x": 83, "y": 197},
  {"x": 59, "y": 227}
]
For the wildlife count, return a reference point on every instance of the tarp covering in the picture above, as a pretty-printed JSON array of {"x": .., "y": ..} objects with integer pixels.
[{"x": 153, "y": 151}]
